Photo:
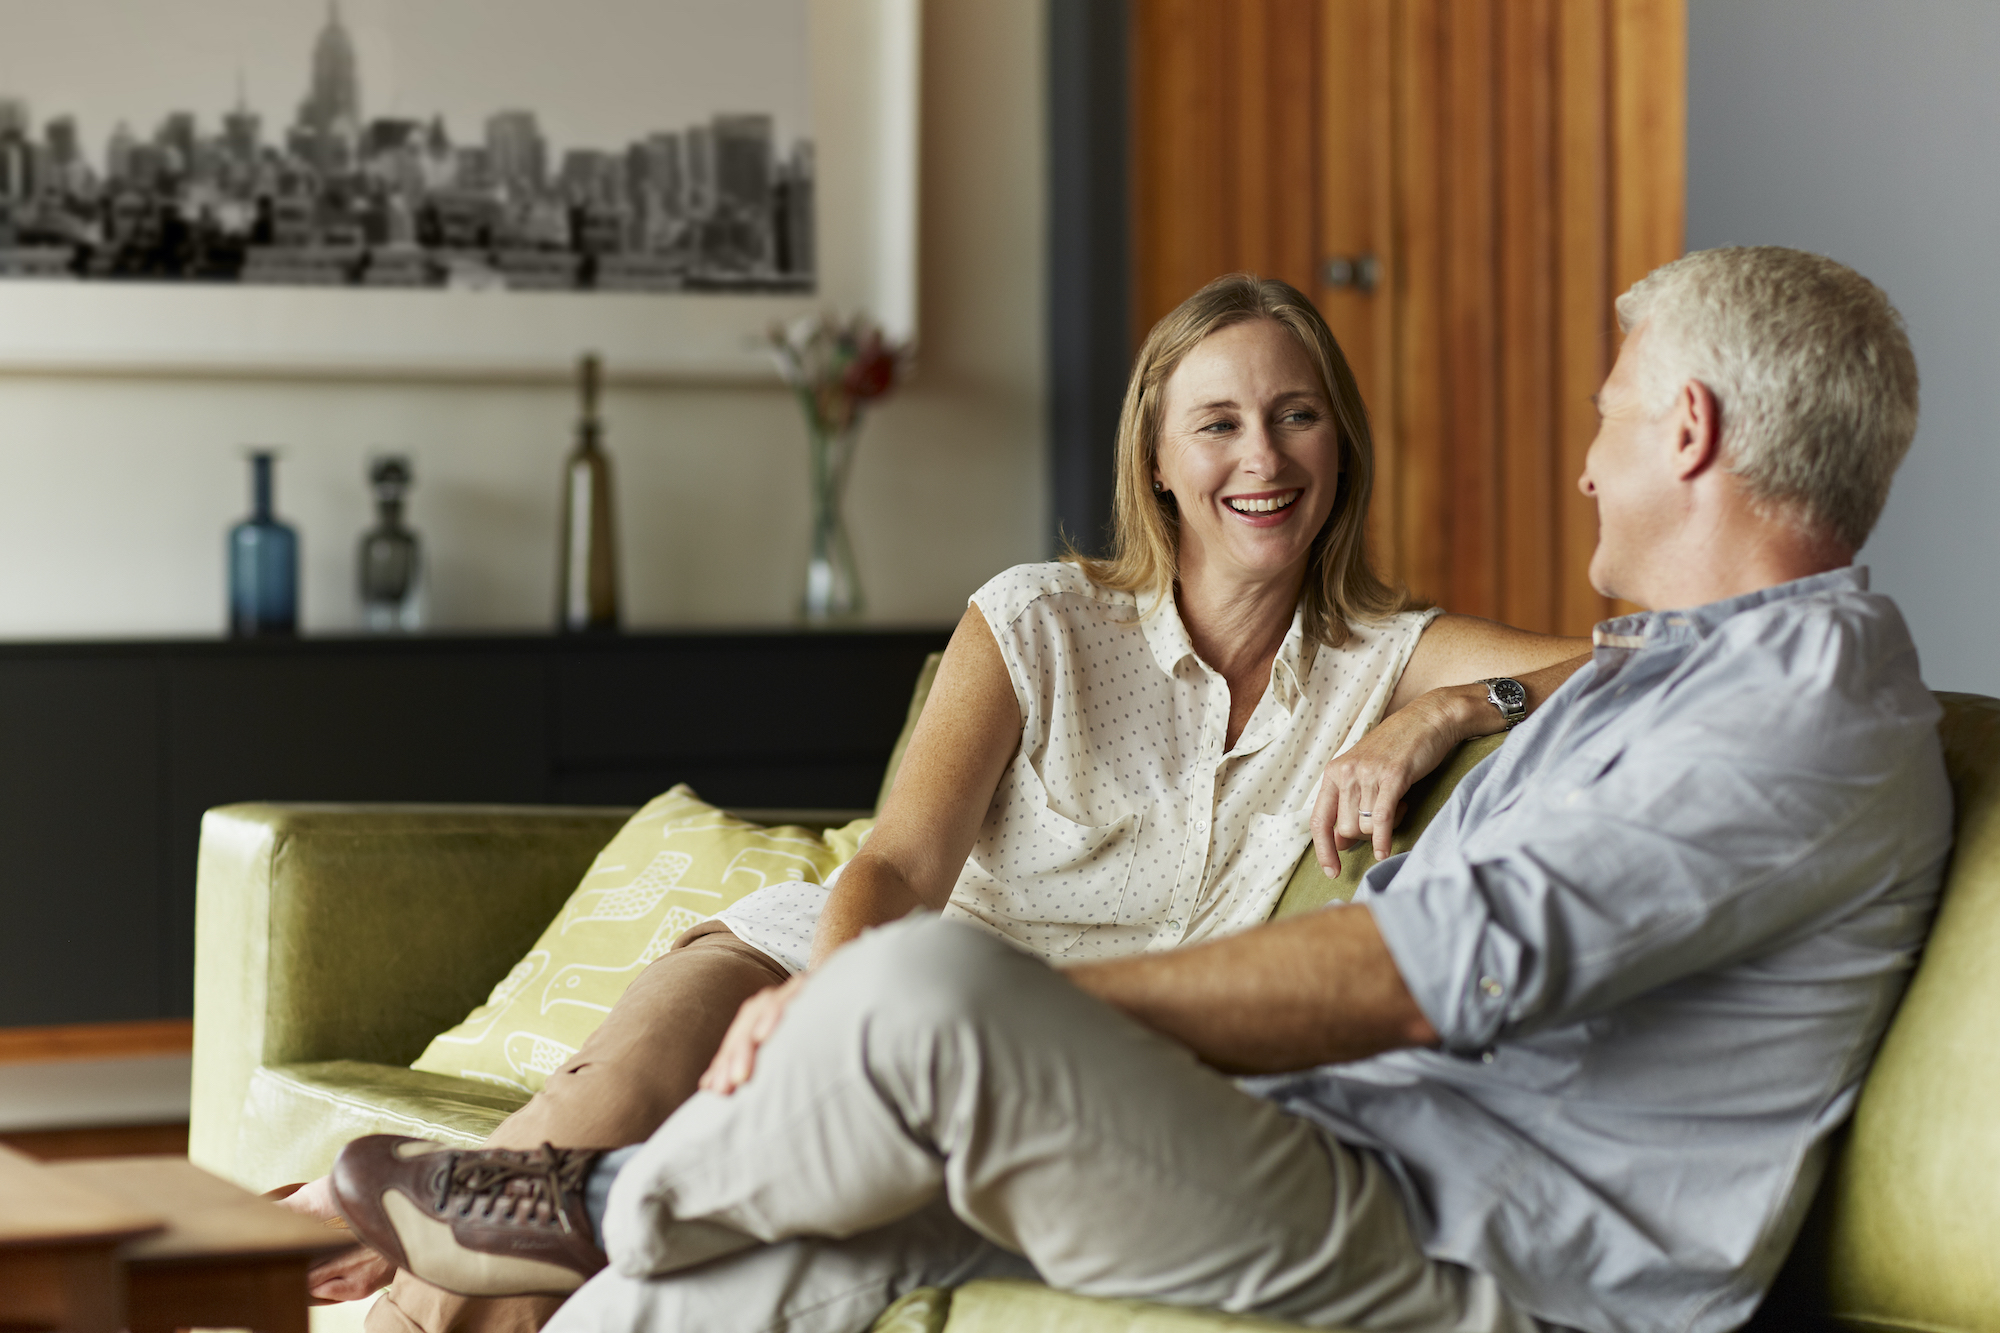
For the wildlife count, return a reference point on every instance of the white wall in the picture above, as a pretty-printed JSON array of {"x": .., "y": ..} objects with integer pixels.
[
  {"x": 1871, "y": 132},
  {"x": 115, "y": 495}
]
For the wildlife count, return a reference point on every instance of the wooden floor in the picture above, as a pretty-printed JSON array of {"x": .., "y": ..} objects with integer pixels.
[{"x": 97, "y": 1041}]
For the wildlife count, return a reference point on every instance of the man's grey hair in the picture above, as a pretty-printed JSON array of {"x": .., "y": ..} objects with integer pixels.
[{"x": 1810, "y": 366}]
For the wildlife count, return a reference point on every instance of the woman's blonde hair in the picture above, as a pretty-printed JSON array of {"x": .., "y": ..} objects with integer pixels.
[{"x": 1340, "y": 584}]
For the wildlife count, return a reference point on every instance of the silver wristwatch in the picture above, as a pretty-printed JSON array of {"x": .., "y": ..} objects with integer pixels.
[{"x": 1509, "y": 696}]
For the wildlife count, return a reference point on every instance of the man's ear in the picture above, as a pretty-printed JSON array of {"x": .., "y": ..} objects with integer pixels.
[{"x": 1697, "y": 431}]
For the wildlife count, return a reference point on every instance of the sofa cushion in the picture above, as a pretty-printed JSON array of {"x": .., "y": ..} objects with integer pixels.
[
  {"x": 676, "y": 863},
  {"x": 296, "y": 1117}
]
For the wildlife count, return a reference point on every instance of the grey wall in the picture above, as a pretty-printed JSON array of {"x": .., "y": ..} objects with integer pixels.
[{"x": 1870, "y": 131}]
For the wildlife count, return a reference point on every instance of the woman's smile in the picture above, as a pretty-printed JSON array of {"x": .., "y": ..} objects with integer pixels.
[{"x": 1265, "y": 510}]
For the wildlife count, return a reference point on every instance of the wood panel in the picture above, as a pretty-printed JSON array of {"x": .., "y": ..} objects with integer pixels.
[
  {"x": 1529, "y": 476},
  {"x": 54, "y": 1145},
  {"x": 1357, "y": 183},
  {"x": 1421, "y": 442},
  {"x": 96, "y": 1041},
  {"x": 1470, "y": 528},
  {"x": 1584, "y": 321},
  {"x": 1513, "y": 164},
  {"x": 1225, "y": 145},
  {"x": 1182, "y": 163},
  {"x": 1649, "y": 136}
]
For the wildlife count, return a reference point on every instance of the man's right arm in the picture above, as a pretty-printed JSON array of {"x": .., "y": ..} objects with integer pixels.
[{"x": 1313, "y": 990}]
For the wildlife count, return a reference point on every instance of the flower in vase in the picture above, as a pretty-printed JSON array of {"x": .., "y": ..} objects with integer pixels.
[{"x": 837, "y": 367}]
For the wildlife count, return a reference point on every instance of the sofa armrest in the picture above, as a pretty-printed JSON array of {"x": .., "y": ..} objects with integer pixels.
[{"x": 358, "y": 932}]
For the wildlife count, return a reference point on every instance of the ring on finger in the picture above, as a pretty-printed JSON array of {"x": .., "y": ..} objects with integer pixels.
[{"x": 1364, "y": 814}]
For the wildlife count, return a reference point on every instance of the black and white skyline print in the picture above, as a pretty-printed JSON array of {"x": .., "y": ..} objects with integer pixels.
[{"x": 597, "y": 145}]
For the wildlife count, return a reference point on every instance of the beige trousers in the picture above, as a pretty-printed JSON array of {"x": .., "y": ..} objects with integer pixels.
[
  {"x": 640, "y": 1064},
  {"x": 938, "y": 1105}
]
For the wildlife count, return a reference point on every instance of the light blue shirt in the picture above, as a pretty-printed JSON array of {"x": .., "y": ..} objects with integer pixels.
[{"x": 1659, "y": 933}]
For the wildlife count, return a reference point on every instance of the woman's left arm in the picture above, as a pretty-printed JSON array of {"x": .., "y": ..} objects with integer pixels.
[
  {"x": 1458, "y": 650},
  {"x": 1437, "y": 703}
]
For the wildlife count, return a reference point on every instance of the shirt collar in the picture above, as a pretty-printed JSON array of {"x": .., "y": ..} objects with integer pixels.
[
  {"x": 1293, "y": 663},
  {"x": 1167, "y": 637},
  {"x": 1160, "y": 620},
  {"x": 1654, "y": 629}
]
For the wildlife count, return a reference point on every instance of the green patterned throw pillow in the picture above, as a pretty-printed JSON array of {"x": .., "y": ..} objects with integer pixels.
[{"x": 675, "y": 864}]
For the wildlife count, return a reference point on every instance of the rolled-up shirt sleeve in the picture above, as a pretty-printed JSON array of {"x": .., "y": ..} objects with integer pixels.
[{"x": 1631, "y": 870}]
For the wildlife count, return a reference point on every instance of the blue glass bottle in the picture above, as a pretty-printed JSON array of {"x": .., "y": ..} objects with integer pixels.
[{"x": 263, "y": 565}]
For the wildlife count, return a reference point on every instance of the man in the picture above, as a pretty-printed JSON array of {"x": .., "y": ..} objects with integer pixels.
[{"x": 1572, "y": 1062}]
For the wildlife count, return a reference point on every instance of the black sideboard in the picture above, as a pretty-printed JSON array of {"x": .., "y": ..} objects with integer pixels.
[{"x": 110, "y": 751}]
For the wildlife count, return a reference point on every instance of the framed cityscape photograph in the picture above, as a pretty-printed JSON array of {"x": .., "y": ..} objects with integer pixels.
[{"x": 449, "y": 188}]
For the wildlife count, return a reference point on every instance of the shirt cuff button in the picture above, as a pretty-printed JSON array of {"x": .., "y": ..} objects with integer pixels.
[{"x": 1492, "y": 986}]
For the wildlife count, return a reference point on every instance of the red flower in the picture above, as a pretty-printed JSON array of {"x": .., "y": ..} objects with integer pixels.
[{"x": 872, "y": 371}]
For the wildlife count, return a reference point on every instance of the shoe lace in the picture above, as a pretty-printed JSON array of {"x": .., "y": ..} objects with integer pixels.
[{"x": 548, "y": 1173}]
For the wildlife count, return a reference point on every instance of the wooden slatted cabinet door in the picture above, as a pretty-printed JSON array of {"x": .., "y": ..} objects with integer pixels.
[{"x": 1510, "y": 165}]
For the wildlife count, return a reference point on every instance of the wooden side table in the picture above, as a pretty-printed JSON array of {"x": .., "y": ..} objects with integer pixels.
[
  {"x": 59, "y": 1244},
  {"x": 223, "y": 1259}
]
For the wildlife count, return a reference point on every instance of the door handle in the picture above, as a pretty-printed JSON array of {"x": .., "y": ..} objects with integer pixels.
[{"x": 1357, "y": 273}]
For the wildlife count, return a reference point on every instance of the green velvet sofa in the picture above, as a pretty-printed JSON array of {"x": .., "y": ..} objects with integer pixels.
[{"x": 334, "y": 941}]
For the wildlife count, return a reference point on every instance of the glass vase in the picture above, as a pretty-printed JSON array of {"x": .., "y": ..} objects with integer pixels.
[
  {"x": 587, "y": 577},
  {"x": 833, "y": 585},
  {"x": 263, "y": 564},
  {"x": 391, "y": 557}
]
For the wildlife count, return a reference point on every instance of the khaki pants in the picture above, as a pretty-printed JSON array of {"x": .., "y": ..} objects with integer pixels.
[
  {"x": 937, "y": 1105},
  {"x": 640, "y": 1064}
]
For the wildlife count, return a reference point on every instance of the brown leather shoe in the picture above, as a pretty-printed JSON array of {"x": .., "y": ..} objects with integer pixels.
[{"x": 484, "y": 1222}]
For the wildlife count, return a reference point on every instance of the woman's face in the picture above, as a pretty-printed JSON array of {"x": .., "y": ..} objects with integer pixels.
[{"x": 1249, "y": 449}]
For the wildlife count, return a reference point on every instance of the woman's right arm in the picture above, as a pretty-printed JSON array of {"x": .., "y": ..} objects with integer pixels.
[{"x": 966, "y": 737}]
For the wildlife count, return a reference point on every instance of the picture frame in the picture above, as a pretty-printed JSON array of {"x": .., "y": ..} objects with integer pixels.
[{"x": 865, "y": 73}]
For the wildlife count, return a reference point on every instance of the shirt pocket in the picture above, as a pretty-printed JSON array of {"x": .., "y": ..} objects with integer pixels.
[{"x": 1036, "y": 865}]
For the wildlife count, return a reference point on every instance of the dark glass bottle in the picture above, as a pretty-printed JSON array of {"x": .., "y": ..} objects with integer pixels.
[
  {"x": 587, "y": 574},
  {"x": 263, "y": 564},
  {"x": 391, "y": 562}
]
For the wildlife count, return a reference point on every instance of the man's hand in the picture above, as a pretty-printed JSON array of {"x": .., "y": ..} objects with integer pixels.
[
  {"x": 1361, "y": 793},
  {"x": 736, "y": 1059}
]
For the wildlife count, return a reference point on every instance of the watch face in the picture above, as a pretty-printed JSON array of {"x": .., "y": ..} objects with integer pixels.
[{"x": 1510, "y": 695}]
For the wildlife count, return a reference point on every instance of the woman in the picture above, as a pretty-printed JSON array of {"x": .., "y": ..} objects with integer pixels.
[{"x": 1117, "y": 754}]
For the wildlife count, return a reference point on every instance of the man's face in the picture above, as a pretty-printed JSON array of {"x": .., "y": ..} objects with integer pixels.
[{"x": 1627, "y": 472}]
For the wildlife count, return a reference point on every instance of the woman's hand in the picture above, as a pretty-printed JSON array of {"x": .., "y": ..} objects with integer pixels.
[
  {"x": 1440, "y": 700},
  {"x": 1361, "y": 793},
  {"x": 351, "y": 1275},
  {"x": 347, "y": 1276},
  {"x": 736, "y": 1059}
]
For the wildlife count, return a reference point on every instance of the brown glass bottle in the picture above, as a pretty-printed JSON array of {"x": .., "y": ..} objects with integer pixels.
[{"x": 587, "y": 573}]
